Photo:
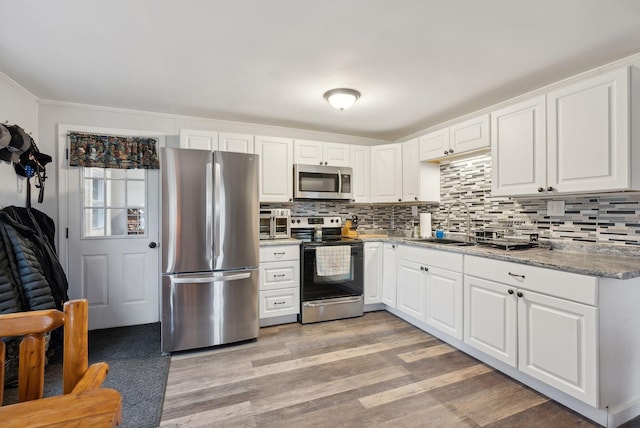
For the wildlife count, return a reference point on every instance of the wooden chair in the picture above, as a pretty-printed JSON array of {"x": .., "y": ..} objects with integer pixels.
[{"x": 84, "y": 402}]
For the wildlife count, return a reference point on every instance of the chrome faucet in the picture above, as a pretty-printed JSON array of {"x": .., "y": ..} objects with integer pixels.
[{"x": 461, "y": 203}]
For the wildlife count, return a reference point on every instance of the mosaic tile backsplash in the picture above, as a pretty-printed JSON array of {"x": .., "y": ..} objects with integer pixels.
[{"x": 612, "y": 219}]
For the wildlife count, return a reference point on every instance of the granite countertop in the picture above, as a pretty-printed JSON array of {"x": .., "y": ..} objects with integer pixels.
[
  {"x": 585, "y": 263},
  {"x": 287, "y": 241}
]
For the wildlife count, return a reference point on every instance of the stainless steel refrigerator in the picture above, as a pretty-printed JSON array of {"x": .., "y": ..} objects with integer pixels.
[{"x": 210, "y": 232}]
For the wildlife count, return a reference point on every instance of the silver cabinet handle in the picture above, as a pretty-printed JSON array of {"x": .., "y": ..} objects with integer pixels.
[
  {"x": 332, "y": 302},
  {"x": 516, "y": 275}
]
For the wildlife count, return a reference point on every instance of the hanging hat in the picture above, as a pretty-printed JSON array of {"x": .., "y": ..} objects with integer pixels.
[
  {"x": 5, "y": 136},
  {"x": 20, "y": 140}
]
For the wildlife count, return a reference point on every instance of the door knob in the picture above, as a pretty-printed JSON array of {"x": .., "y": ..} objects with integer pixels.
[{"x": 152, "y": 244}]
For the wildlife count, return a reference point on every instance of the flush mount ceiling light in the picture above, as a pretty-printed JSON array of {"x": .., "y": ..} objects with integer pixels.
[{"x": 342, "y": 98}]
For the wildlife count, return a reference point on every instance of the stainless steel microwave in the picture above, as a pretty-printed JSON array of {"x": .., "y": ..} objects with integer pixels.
[{"x": 322, "y": 182}]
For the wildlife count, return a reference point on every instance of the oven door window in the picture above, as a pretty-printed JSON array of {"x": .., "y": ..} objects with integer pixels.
[{"x": 316, "y": 287}]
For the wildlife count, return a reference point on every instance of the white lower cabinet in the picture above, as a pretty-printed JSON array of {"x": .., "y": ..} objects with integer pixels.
[
  {"x": 279, "y": 281},
  {"x": 551, "y": 338},
  {"x": 429, "y": 288},
  {"x": 373, "y": 265}
]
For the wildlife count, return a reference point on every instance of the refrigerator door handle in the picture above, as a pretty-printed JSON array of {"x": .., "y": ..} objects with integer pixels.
[
  {"x": 209, "y": 208},
  {"x": 208, "y": 279}
]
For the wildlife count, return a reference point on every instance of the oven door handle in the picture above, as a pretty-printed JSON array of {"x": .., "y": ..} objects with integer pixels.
[{"x": 339, "y": 301}]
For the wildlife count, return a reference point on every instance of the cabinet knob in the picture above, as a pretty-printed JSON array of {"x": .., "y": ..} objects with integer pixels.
[
  {"x": 426, "y": 269},
  {"x": 326, "y": 163},
  {"x": 519, "y": 293},
  {"x": 290, "y": 199},
  {"x": 421, "y": 267},
  {"x": 540, "y": 189},
  {"x": 415, "y": 198},
  {"x": 393, "y": 246},
  {"x": 549, "y": 189},
  {"x": 446, "y": 152},
  {"x": 320, "y": 162},
  {"x": 510, "y": 291},
  {"x": 152, "y": 244},
  {"x": 450, "y": 151}
]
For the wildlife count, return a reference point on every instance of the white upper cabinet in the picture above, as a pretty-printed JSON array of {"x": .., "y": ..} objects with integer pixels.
[
  {"x": 320, "y": 153},
  {"x": 410, "y": 171},
  {"x": 361, "y": 164},
  {"x": 197, "y": 139},
  {"x": 518, "y": 148},
  {"x": 420, "y": 181},
  {"x": 588, "y": 134},
  {"x": 575, "y": 139},
  {"x": 276, "y": 168},
  {"x": 240, "y": 143},
  {"x": 386, "y": 174},
  {"x": 467, "y": 136}
]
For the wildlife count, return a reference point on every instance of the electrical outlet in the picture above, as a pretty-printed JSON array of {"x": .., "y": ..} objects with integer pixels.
[
  {"x": 555, "y": 208},
  {"x": 414, "y": 210}
]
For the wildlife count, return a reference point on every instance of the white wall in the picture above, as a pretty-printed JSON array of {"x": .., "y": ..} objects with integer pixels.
[{"x": 19, "y": 107}]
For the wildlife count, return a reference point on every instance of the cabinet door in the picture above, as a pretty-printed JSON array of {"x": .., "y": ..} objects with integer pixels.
[
  {"x": 410, "y": 171},
  {"x": 444, "y": 301},
  {"x": 469, "y": 135},
  {"x": 588, "y": 136},
  {"x": 308, "y": 152},
  {"x": 373, "y": 253},
  {"x": 239, "y": 143},
  {"x": 386, "y": 176},
  {"x": 558, "y": 344},
  {"x": 389, "y": 277},
  {"x": 276, "y": 168},
  {"x": 411, "y": 289},
  {"x": 518, "y": 148},
  {"x": 195, "y": 139},
  {"x": 490, "y": 317},
  {"x": 434, "y": 145},
  {"x": 336, "y": 154},
  {"x": 361, "y": 164}
]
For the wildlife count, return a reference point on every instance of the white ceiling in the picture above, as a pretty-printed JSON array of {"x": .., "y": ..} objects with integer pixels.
[{"x": 416, "y": 62}]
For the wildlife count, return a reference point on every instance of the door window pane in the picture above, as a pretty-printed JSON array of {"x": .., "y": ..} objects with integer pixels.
[{"x": 114, "y": 202}]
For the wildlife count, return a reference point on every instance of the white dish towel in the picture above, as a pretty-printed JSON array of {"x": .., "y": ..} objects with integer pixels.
[{"x": 333, "y": 260}]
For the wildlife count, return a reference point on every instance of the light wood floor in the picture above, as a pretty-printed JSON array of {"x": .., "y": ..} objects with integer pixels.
[{"x": 373, "y": 371}]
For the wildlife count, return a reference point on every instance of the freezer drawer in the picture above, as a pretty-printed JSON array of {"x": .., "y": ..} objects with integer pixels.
[{"x": 209, "y": 309}]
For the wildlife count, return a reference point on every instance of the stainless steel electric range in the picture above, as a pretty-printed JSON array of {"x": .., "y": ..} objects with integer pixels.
[{"x": 332, "y": 285}]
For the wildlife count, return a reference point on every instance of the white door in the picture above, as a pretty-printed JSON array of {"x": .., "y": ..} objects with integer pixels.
[
  {"x": 588, "y": 134},
  {"x": 412, "y": 289},
  {"x": 112, "y": 216},
  {"x": 240, "y": 143},
  {"x": 490, "y": 317},
  {"x": 307, "y": 152},
  {"x": 434, "y": 145},
  {"x": 197, "y": 139},
  {"x": 469, "y": 135},
  {"x": 410, "y": 171},
  {"x": 336, "y": 154},
  {"x": 444, "y": 301},
  {"x": 276, "y": 168},
  {"x": 557, "y": 344},
  {"x": 518, "y": 148},
  {"x": 373, "y": 253},
  {"x": 389, "y": 278},
  {"x": 386, "y": 173},
  {"x": 361, "y": 164}
]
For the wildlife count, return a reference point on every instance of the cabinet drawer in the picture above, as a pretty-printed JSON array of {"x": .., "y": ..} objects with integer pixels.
[
  {"x": 276, "y": 275},
  {"x": 274, "y": 253},
  {"x": 275, "y": 303},
  {"x": 565, "y": 285},
  {"x": 430, "y": 257}
]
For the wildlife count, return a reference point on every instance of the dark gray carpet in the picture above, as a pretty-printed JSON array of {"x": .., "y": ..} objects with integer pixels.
[{"x": 137, "y": 369}]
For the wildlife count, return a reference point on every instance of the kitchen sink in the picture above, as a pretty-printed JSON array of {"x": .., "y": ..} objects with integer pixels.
[{"x": 443, "y": 241}]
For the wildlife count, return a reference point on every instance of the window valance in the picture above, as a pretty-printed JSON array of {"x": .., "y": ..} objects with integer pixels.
[{"x": 112, "y": 151}]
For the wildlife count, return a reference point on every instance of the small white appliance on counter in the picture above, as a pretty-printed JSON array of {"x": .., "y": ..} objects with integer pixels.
[{"x": 275, "y": 224}]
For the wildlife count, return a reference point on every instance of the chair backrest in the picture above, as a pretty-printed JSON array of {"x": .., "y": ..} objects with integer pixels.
[{"x": 33, "y": 326}]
